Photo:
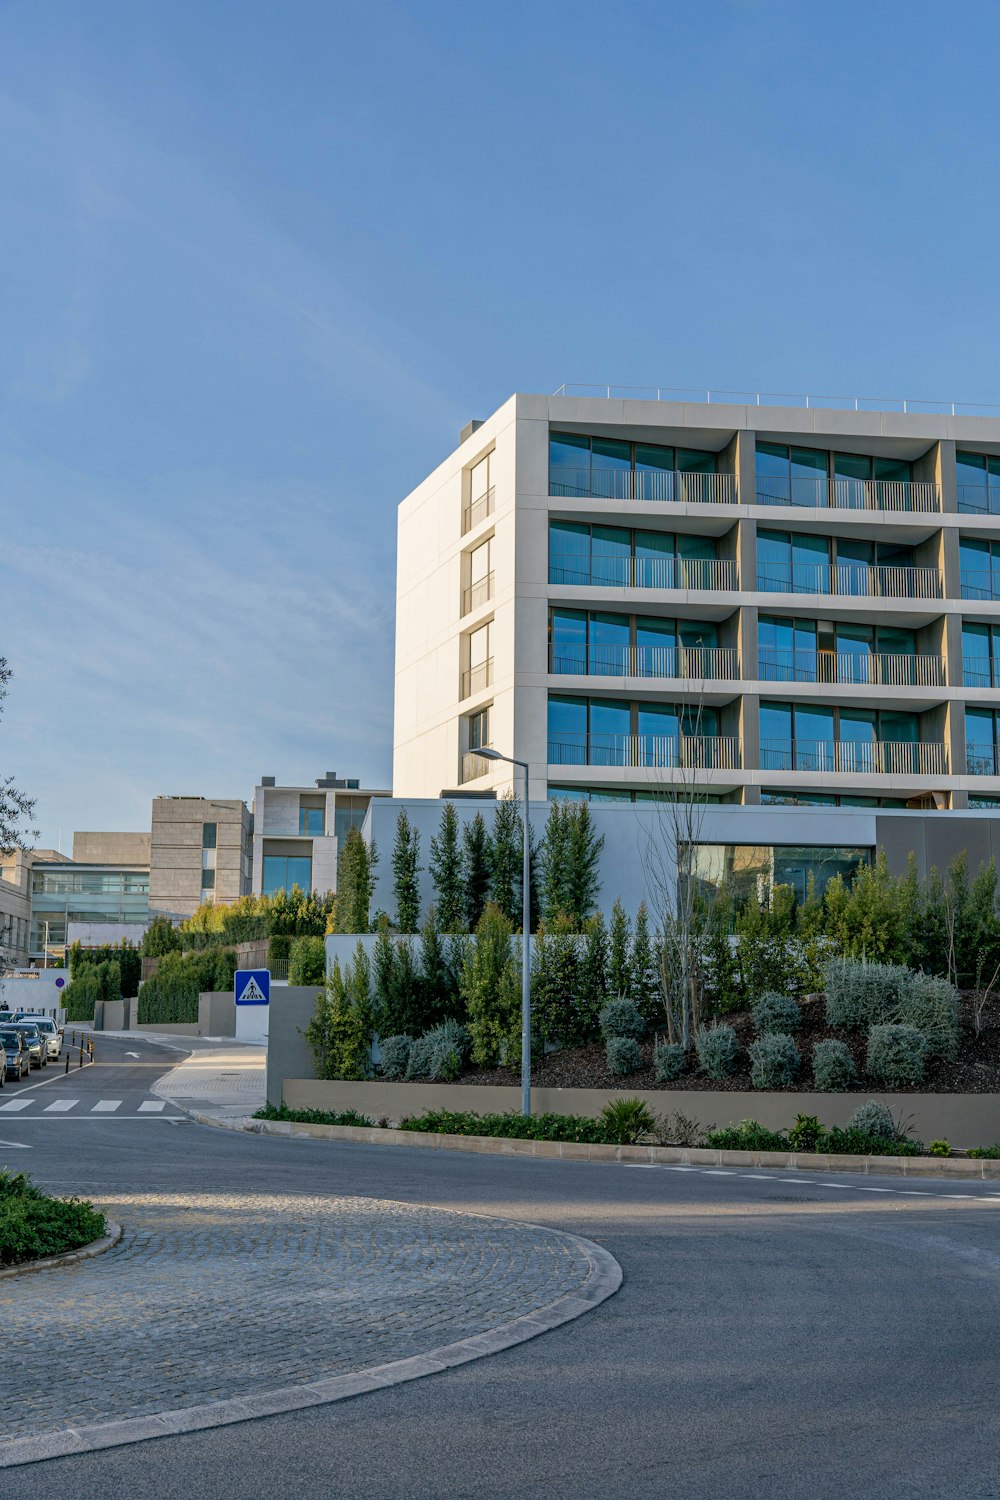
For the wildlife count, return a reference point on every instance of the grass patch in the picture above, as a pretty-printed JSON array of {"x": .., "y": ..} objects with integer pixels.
[
  {"x": 33, "y": 1226},
  {"x": 312, "y": 1116}
]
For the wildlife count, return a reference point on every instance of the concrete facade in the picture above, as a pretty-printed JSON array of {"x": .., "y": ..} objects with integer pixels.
[
  {"x": 114, "y": 848},
  {"x": 297, "y": 830},
  {"x": 200, "y": 850},
  {"x": 474, "y": 630}
]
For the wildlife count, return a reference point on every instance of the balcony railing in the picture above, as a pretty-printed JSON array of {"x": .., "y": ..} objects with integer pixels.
[
  {"x": 982, "y": 760},
  {"x": 860, "y": 757},
  {"x": 475, "y": 679},
  {"x": 477, "y": 510},
  {"x": 878, "y": 668},
  {"x": 702, "y": 752},
  {"x": 981, "y": 671},
  {"x": 656, "y": 486},
  {"x": 480, "y": 592},
  {"x": 873, "y": 581},
  {"x": 694, "y": 663},
  {"x": 825, "y": 493},
  {"x": 979, "y": 499},
  {"x": 981, "y": 583},
  {"x": 717, "y": 573},
  {"x": 474, "y": 765}
]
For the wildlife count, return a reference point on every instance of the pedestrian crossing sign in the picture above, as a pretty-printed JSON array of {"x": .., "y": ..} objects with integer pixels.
[{"x": 252, "y": 986}]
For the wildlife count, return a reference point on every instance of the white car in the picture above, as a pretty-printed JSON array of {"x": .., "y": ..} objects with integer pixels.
[{"x": 51, "y": 1034}]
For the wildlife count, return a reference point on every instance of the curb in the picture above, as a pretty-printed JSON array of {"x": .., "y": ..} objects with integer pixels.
[
  {"x": 974, "y": 1169},
  {"x": 85, "y": 1252},
  {"x": 604, "y": 1277}
]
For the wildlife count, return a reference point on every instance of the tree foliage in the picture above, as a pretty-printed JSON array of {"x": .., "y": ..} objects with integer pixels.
[
  {"x": 355, "y": 884},
  {"x": 445, "y": 865},
  {"x": 405, "y": 873}
]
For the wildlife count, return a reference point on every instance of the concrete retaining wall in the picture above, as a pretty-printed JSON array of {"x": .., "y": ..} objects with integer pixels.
[
  {"x": 292, "y": 1008},
  {"x": 963, "y": 1119}
]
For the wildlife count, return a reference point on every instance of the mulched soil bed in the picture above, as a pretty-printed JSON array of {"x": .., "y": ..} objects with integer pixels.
[{"x": 976, "y": 1071}]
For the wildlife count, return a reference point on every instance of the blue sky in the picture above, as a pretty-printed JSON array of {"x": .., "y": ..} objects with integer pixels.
[{"x": 260, "y": 262}]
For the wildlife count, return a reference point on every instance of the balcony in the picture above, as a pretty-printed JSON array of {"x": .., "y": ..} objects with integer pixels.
[
  {"x": 655, "y": 486},
  {"x": 979, "y": 499},
  {"x": 475, "y": 679},
  {"x": 872, "y": 581},
  {"x": 692, "y": 663},
  {"x": 877, "y": 669},
  {"x": 480, "y": 592},
  {"x": 473, "y": 766},
  {"x": 858, "y": 757},
  {"x": 702, "y": 752},
  {"x": 824, "y": 493},
  {"x": 981, "y": 583},
  {"x": 477, "y": 510},
  {"x": 981, "y": 671},
  {"x": 981, "y": 759},
  {"x": 645, "y": 572}
]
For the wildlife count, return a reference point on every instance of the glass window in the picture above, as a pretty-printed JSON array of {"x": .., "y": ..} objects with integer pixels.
[
  {"x": 348, "y": 813},
  {"x": 694, "y": 461},
  {"x": 208, "y": 880},
  {"x": 979, "y": 561},
  {"x": 479, "y": 730},
  {"x": 892, "y": 470},
  {"x": 282, "y": 872},
  {"x": 656, "y": 646},
  {"x": 567, "y": 731},
  {"x": 654, "y": 472},
  {"x": 774, "y": 560},
  {"x": 480, "y": 562},
  {"x": 209, "y": 834},
  {"x": 569, "y": 552},
  {"x": 809, "y": 472},
  {"x": 611, "y": 469},
  {"x": 978, "y": 476},
  {"x": 611, "y": 556},
  {"x": 981, "y": 654},
  {"x": 480, "y": 478},
  {"x": 479, "y": 646},
  {"x": 569, "y": 640},
  {"x": 311, "y": 821},
  {"x": 980, "y": 741},
  {"x": 655, "y": 561},
  {"x": 610, "y": 637},
  {"x": 773, "y": 476},
  {"x": 610, "y": 732},
  {"x": 810, "y": 563}
]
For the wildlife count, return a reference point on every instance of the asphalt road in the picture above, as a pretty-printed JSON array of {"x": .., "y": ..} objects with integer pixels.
[{"x": 776, "y": 1337}]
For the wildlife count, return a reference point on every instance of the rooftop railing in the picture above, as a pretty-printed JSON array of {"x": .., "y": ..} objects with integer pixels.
[
  {"x": 692, "y": 663},
  {"x": 860, "y": 757},
  {"x": 702, "y": 752},
  {"x": 854, "y": 669},
  {"x": 873, "y": 581},
  {"x": 644, "y": 572},
  {"x": 655, "y": 486},
  {"x": 710, "y": 396},
  {"x": 827, "y": 493}
]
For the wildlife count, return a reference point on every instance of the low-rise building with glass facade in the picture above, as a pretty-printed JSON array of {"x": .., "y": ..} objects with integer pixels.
[{"x": 298, "y": 831}]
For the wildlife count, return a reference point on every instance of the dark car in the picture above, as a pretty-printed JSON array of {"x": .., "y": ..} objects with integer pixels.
[
  {"x": 17, "y": 1059},
  {"x": 33, "y": 1040}
]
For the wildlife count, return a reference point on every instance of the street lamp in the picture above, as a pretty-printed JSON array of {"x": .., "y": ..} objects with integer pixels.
[{"x": 525, "y": 935}]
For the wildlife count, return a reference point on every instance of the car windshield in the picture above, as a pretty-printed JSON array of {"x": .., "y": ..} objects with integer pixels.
[
  {"x": 43, "y": 1023},
  {"x": 31, "y": 1032},
  {"x": 11, "y": 1040}
]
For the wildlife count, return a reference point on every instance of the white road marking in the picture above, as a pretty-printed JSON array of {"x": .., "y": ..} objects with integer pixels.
[
  {"x": 17, "y": 1104},
  {"x": 152, "y": 1106},
  {"x": 60, "y": 1106},
  {"x": 131, "y": 1054},
  {"x": 106, "y": 1106},
  {"x": 14, "y": 1146}
]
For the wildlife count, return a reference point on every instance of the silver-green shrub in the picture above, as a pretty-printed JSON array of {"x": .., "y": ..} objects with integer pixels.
[
  {"x": 874, "y": 1119},
  {"x": 931, "y": 1005},
  {"x": 833, "y": 1066},
  {"x": 717, "y": 1050},
  {"x": 669, "y": 1062},
  {"x": 621, "y": 1018},
  {"x": 860, "y": 994},
  {"x": 418, "y": 1064},
  {"x": 896, "y": 1054},
  {"x": 624, "y": 1054},
  {"x": 775, "y": 1012},
  {"x": 395, "y": 1055},
  {"x": 448, "y": 1046},
  {"x": 774, "y": 1061}
]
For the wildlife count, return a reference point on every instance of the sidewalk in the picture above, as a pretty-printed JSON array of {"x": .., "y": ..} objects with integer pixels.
[{"x": 224, "y": 1082}]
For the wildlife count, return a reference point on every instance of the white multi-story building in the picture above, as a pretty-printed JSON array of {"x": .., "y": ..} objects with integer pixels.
[
  {"x": 785, "y": 604},
  {"x": 298, "y": 831}
]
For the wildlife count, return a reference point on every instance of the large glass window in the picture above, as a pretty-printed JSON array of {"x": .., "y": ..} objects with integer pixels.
[
  {"x": 978, "y": 476},
  {"x": 479, "y": 730},
  {"x": 979, "y": 561},
  {"x": 804, "y": 737},
  {"x": 744, "y": 869},
  {"x": 567, "y": 731},
  {"x": 981, "y": 740},
  {"x": 615, "y": 732},
  {"x": 348, "y": 813},
  {"x": 802, "y": 476},
  {"x": 311, "y": 821},
  {"x": 618, "y": 557},
  {"x": 981, "y": 654},
  {"x": 569, "y": 552},
  {"x": 615, "y": 469},
  {"x": 611, "y": 556},
  {"x": 209, "y": 835},
  {"x": 282, "y": 872}
]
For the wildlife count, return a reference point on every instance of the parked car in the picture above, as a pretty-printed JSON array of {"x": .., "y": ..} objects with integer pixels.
[
  {"x": 51, "y": 1034},
  {"x": 32, "y": 1038},
  {"x": 17, "y": 1059}
]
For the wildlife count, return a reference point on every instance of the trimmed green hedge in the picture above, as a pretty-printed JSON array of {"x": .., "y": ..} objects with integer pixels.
[
  {"x": 33, "y": 1226},
  {"x": 125, "y": 954},
  {"x": 312, "y": 1116},
  {"x": 170, "y": 997}
]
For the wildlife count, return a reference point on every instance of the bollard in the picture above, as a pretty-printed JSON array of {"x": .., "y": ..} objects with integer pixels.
[
  {"x": 91, "y": 1046},
  {"x": 81, "y": 1055},
  {"x": 67, "y": 1061}
]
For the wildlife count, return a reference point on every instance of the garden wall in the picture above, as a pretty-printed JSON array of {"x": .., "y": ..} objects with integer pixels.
[{"x": 963, "y": 1119}]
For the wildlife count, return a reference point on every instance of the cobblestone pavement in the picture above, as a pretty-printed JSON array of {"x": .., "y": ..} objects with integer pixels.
[{"x": 210, "y": 1297}]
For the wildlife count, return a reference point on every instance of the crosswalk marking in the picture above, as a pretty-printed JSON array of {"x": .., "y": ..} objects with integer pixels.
[
  {"x": 17, "y": 1104},
  {"x": 106, "y": 1106},
  {"x": 152, "y": 1106},
  {"x": 61, "y": 1106}
]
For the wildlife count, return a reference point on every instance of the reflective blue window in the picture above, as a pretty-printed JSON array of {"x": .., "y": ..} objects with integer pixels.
[
  {"x": 282, "y": 872},
  {"x": 569, "y": 640},
  {"x": 569, "y": 552}
]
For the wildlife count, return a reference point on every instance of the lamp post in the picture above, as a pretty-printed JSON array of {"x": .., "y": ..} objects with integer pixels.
[{"x": 488, "y": 754}]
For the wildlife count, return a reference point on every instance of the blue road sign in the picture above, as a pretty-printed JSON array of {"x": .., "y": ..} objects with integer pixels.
[{"x": 252, "y": 986}]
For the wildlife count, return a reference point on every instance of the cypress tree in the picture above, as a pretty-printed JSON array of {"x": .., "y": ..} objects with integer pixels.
[
  {"x": 646, "y": 992},
  {"x": 355, "y": 883},
  {"x": 476, "y": 861},
  {"x": 593, "y": 982},
  {"x": 619, "y": 963},
  {"x": 446, "y": 872},
  {"x": 405, "y": 869},
  {"x": 583, "y": 851},
  {"x": 555, "y": 862}
]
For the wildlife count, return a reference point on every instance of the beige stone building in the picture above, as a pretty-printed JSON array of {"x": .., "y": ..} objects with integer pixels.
[{"x": 200, "y": 850}]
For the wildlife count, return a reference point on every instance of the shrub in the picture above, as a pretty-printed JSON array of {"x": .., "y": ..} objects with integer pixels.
[
  {"x": 748, "y": 1135},
  {"x": 448, "y": 1049},
  {"x": 395, "y": 1055},
  {"x": 306, "y": 960},
  {"x": 807, "y": 1134},
  {"x": 774, "y": 1061},
  {"x": 856, "y": 1143},
  {"x": 624, "y": 1055},
  {"x": 620, "y": 1018},
  {"x": 717, "y": 1050},
  {"x": 312, "y": 1116},
  {"x": 160, "y": 937},
  {"x": 82, "y": 994},
  {"x": 669, "y": 1062},
  {"x": 419, "y": 1061},
  {"x": 512, "y": 1126},
  {"x": 932, "y": 1006},
  {"x": 774, "y": 1012},
  {"x": 873, "y": 1119},
  {"x": 626, "y": 1120},
  {"x": 33, "y": 1226},
  {"x": 860, "y": 994},
  {"x": 678, "y": 1130},
  {"x": 987, "y": 1153},
  {"x": 833, "y": 1066},
  {"x": 896, "y": 1054},
  {"x": 940, "y": 1148}
]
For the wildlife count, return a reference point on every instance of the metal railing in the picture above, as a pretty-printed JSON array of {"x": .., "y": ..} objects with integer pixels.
[
  {"x": 878, "y": 668},
  {"x": 657, "y": 486},
  {"x": 874, "y": 581},
  {"x": 981, "y": 671},
  {"x": 703, "y": 752},
  {"x": 474, "y": 765},
  {"x": 694, "y": 663},
  {"x": 477, "y": 510},
  {"x": 981, "y": 583},
  {"x": 708, "y": 397},
  {"x": 827, "y": 493},
  {"x": 478, "y": 593},
  {"x": 881, "y": 757},
  {"x": 979, "y": 499},
  {"x": 717, "y": 573},
  {"x": 475, "y": 679}
]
